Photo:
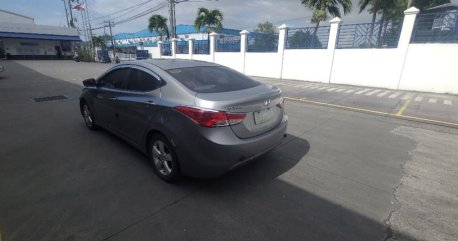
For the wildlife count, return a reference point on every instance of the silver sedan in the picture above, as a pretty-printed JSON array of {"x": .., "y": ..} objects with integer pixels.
[{"x": 190, "y": 117}]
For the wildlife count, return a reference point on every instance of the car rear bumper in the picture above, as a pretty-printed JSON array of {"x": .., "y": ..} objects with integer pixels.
[{"x": 215, "y": 151}]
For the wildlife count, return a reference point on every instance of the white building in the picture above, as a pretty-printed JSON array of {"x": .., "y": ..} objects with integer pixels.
[{"x": 21, "y": 38}]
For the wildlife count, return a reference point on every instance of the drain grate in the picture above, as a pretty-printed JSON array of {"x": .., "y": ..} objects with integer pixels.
[{"x": 50, "y": 98}]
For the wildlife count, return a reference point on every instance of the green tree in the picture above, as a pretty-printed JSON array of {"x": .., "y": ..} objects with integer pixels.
[
  {"x": 321, "y": 9},
  {"x": 265, "y": 37},
  {"x": 266, "y": 27},
  {"x": 158, "y": 24},
  {"x": 301, "y": 40},
  {"x": 99, "y": 41},
  {"x": 211, "y": 20}
]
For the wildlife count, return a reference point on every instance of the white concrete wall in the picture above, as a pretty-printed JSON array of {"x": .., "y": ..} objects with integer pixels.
[
  {"x": 233, "y": 60},
  {"x": 263, "y": 64},
  {"x": 431, "y": 68},
  {"x": 182, "y": 56},
  {"x": 307, "y": 64},
  {"x": 419, "y": 67},
  {"x": 203, "y": 57},
  {"x": 367, "y": 67},
  {"x": 153, "y": 51}
]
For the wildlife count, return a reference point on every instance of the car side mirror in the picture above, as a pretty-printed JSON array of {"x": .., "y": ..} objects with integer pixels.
[{"x": 90, "y": 83}]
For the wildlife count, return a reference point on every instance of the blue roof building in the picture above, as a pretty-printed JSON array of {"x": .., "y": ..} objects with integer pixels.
[{"x": 146, "y": 38}]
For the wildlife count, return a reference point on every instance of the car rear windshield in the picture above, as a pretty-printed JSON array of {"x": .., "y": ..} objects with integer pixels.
[{"x": 212, "y": 79}]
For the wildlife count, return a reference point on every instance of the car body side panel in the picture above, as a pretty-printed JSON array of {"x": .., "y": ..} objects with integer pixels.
[{"x": 136, "y": 111}]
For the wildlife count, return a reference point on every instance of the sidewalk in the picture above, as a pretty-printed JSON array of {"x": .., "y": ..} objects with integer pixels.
[{"x": 418, "y": 106}]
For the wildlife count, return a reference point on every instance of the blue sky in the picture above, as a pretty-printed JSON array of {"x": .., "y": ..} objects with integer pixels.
[{"x": 240, "y": 14}]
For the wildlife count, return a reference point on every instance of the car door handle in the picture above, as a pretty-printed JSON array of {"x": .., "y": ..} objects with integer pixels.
[
  {"x": 113, "y": 98},
  {"x": 151, "y": 102}
]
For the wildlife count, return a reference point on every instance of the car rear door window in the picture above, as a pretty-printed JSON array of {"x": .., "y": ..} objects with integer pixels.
[
  {"x": 116, "y": 79},
  {"x": 212, "y": 79},
  {"x": 141, "y": 81}
]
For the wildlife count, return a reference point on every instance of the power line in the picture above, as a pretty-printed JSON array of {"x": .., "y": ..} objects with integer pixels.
[{"x": 122, "y": 10}]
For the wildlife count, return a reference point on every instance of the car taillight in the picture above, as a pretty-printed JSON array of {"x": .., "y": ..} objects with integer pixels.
[
  {"x": 211, "y": 118},
  {"x": 281, "y": 104}
]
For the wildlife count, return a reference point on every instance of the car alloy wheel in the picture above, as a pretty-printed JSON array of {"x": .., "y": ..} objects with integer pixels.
[
  {"x": 164, "y": 158},
  {"x": 88, "y": 118}
]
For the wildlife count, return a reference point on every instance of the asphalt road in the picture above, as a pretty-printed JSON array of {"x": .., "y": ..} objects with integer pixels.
[{"x": 340, "y": 175}]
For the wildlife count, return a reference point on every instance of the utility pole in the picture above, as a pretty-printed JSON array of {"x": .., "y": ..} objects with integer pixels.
[
  {"x": 86, "y": 35},
  {"x": 72, "y": 25},
  {"x": 172, "y": 18},
  {"x": 104, "y": 36},
  {"x": 112, "y": 41},
  {"x": 86, "y": 9},
  {"x": 66, "y": 13}
]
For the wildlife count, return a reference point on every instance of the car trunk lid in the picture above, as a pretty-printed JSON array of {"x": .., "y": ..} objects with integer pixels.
[{"x": 260, "y": 104}]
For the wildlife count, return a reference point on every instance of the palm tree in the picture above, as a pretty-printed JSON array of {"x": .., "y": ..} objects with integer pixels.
[
  {"x": 211, "y": 20},
  {"x": 321, "y": 9},
  {"x": 158, "y": 24}
]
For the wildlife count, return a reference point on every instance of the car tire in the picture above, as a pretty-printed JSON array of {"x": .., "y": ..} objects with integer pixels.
[
  {"x": 163, "y": 158},
  {"x": 88, "y": 117}
]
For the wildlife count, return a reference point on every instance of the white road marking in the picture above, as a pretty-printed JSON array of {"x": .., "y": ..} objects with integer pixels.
[
  {"x": 340, "y": 90},
  {"x": 372, "y": 92},
  {"x": 314, "y": 87},
  {"x": 349, "y": 91},
  {"x": 406, "y": 97},
  {"x": 394, "y": 95},
  {"x": 322, "y": 88},
  {"x": 432, "y": 100},
  {"x": 383, "y": 93},
  {"x": 362, "y": 91},
  {"x": 448, "y": 102},
  {"x": 331, "y": 89},
  {"x": 418, "y": 99}
]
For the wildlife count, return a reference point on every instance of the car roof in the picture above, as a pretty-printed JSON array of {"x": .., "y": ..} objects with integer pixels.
[{"x": 167, "y": 64}]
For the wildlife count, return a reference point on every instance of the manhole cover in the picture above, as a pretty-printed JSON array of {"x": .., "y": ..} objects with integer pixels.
[{"x": 50, "y": 98}]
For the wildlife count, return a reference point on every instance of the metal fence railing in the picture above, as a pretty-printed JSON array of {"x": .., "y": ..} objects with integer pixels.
[
  {"x": 308, "y": 38},
  {"x": 201, "y": 47},
  {"x": 166, "y": 49},
  {"x": 228, "y": 43},
  {"x": 262, "y": 42},
  {"x": 182, "y": 47},
  {"x": 384, "y": 34},
  {"x": 436, "y": 28}
]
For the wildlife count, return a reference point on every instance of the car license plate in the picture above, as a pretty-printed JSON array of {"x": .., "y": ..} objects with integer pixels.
[{"x": 262, "y": 116}]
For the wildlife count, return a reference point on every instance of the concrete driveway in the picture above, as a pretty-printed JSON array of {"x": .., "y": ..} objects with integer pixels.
[{"x": 340, "y": 175}]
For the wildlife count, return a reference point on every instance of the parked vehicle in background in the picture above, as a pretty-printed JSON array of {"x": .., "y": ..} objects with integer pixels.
[{"x": 190, "y": 117}]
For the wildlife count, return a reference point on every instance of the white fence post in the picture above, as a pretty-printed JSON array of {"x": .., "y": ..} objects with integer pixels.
[
  {"x": 190, "y": 47},
  {"x": 159, "y": 46},
  {"x": 174, "y": 48},
  {"x": 408, "y": 24},
  {"x": 410, "y": 15},
  {"x": 333, "y": 33},
  {"x": 332, "y": 41},
  {"x": 282, "y": 32},
  {"x": 243, "y": 46},
  {"x": 212, "y": 46}
]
